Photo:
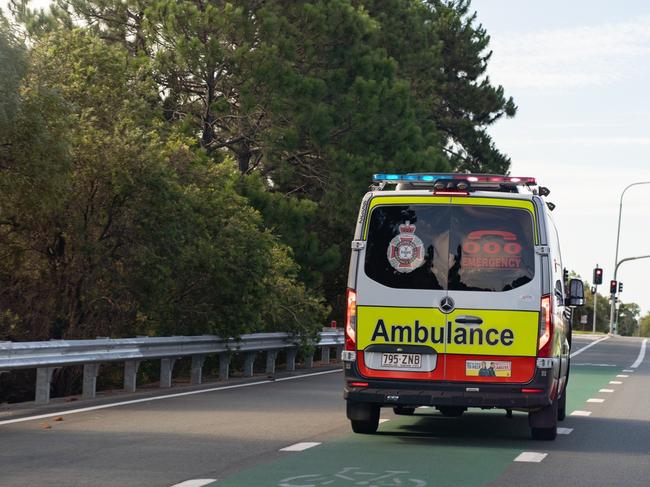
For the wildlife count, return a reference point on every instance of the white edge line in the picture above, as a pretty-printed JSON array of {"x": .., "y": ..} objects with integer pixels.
[
  {"x": 641, "y": 356},
  {"x": 588, "y": 346},
  {"x": 158, "y": 398}
]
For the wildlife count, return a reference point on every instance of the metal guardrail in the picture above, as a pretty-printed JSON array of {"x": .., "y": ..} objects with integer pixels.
[{"x": 45, "y": 357}]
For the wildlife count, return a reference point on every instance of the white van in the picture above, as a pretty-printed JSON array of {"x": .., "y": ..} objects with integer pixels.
[{"x": 457, "y": 298}]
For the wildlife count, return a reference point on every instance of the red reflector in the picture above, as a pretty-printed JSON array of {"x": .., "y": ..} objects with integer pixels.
[
  {"x": 358, "y": 384},
  {"x": 531, "y": 390}
]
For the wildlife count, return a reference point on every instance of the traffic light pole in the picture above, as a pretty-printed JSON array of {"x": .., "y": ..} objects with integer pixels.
[
  {"x": 595, "y": 307},
  {"x": 612, "y": 311}
]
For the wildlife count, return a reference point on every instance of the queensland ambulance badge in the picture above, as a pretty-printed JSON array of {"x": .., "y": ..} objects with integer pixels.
[{"x": 406, "y": 251}]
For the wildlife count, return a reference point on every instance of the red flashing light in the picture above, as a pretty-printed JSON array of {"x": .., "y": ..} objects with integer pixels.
[
  {"x": 351, "y": 321},
  {"x": 544, "y": 347},
  {"x": 451, "y": 193}
]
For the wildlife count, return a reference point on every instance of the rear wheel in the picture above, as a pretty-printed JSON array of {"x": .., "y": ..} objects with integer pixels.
[
  {"x": 365, "y": 427},
  {"x": 403, "y": 411},
  {"x": 363, "y": 417},
  {"x": 561, "y": 407}
]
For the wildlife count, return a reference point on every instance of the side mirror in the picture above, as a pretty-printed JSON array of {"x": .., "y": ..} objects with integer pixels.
[{"x": 576, "y": 293}]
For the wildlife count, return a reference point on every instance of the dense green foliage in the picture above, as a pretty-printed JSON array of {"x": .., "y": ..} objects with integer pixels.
[{"x": 185, "y": 166}]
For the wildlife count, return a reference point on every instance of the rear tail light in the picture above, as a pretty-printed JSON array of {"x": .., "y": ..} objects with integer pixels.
[
  {"x": 531, "y": 390},
  {"x": 545, "y": 342},
  {"x": 358, "y": 384},
  {"x": 351, "y": 321}
]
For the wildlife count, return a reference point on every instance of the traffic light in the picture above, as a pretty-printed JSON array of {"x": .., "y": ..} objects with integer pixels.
[
  {"x": 598, "y": 275},
  {"x": 612, "y": 287},
  {"x": 620, "y": 287}
]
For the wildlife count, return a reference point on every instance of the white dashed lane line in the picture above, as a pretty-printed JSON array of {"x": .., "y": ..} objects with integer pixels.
[
  {"x": 622, "y": 376},
  {"x": 564, "y": 431},
  {"x": 581, "y": 413},
  {"x": 596, "y": 400},
  {"x": 615, "y": 382},
  {"x": 606, "y": 390},
  {"x": 628, "y": 370},
  {"x": 383, "y": 420},
  {"x": 195, "y": 483},
  {"x": 531, "y": 456},
  {"x": 305, "y": 445}
]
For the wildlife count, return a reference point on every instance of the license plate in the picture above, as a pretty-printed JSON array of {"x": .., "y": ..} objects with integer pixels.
[{"x": 407, "y": 360}]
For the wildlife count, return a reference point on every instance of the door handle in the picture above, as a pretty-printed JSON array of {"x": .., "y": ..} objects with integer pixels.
[{"x": 469, "y": 320}]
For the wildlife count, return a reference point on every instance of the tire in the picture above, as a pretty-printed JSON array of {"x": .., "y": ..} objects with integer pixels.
[
  {"x": 561, "y": 406},
  {"x": 451, "y": 411},
  {"x": 403, "y": 411},
  {"x": 363, "y": 417},
  {"x": 543, "y": 434},
  {"x": 364, "y": 427}
]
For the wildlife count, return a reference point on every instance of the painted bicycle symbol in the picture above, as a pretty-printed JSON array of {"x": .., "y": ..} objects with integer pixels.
[{"x": 355, "y": 476}]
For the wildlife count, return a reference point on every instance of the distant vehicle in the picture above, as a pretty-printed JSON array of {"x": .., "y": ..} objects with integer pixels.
[{"x": 457, "y": 298}]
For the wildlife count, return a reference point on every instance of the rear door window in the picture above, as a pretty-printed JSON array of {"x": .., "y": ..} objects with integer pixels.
[{"x": 460, "y": 247}]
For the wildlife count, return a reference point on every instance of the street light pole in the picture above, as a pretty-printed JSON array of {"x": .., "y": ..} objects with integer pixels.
[
  {"x": 620, "y": 211},
  {"x": 618, "y": 236},
  {"x": 612, "y": 311}
]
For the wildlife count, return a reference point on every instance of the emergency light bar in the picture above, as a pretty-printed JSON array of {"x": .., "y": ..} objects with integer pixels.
[{"x": 433, "y": 177}]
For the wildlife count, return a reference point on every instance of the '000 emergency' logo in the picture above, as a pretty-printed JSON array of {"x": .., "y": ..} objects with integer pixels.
[{"x": 406, "y": 250}]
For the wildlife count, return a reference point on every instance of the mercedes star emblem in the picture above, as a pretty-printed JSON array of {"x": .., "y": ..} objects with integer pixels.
[{"x": 447, "y": 304}]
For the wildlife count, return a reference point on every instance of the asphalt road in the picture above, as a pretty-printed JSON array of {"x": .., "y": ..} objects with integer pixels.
[{"x": 235, "y": 434}]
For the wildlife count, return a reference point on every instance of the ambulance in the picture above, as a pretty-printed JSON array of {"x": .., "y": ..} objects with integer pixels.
[{"x": 457, "y": 298}]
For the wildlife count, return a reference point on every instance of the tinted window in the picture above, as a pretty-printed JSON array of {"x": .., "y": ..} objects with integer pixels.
[
  {"x": 450, "y": 247},
  {"x": 407, "y": 246}
]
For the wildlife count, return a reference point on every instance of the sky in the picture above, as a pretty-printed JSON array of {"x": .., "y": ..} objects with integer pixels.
[{"x": 579, "y": 73}]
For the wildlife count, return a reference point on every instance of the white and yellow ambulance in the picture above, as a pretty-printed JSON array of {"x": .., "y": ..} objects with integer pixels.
[{"x": 457, "y": 298}]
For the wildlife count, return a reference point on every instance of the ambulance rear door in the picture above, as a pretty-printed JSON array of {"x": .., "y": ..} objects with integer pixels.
[{"x": 494, "y": 286}]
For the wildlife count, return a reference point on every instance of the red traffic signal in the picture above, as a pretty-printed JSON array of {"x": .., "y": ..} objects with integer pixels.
[
  {"x": 612, "y": 287},
  {"x": 598, "y": 275}
]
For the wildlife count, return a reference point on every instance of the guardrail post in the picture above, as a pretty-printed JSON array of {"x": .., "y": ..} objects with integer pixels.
[
  {"x": 224, "y": 366},
  {"x": 89, "y": 390},
  {"x": 325, "y": 354},
  {"x": 131, "y": 375},
  {"x": 271, "y": 356},
  {"x": 249, "y": 362},
  {"x": 43, "y": 381},
  {"x": 197, "y": 369},
  {"x": 166, "y": 369},
  {"x": 291, "y": 358}
]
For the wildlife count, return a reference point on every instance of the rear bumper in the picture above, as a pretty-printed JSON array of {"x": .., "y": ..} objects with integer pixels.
[{"x": 385, "y": 392}]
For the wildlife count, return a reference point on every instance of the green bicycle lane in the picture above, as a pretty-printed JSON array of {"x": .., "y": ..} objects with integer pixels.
[{"x": 422, "y": 450}]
